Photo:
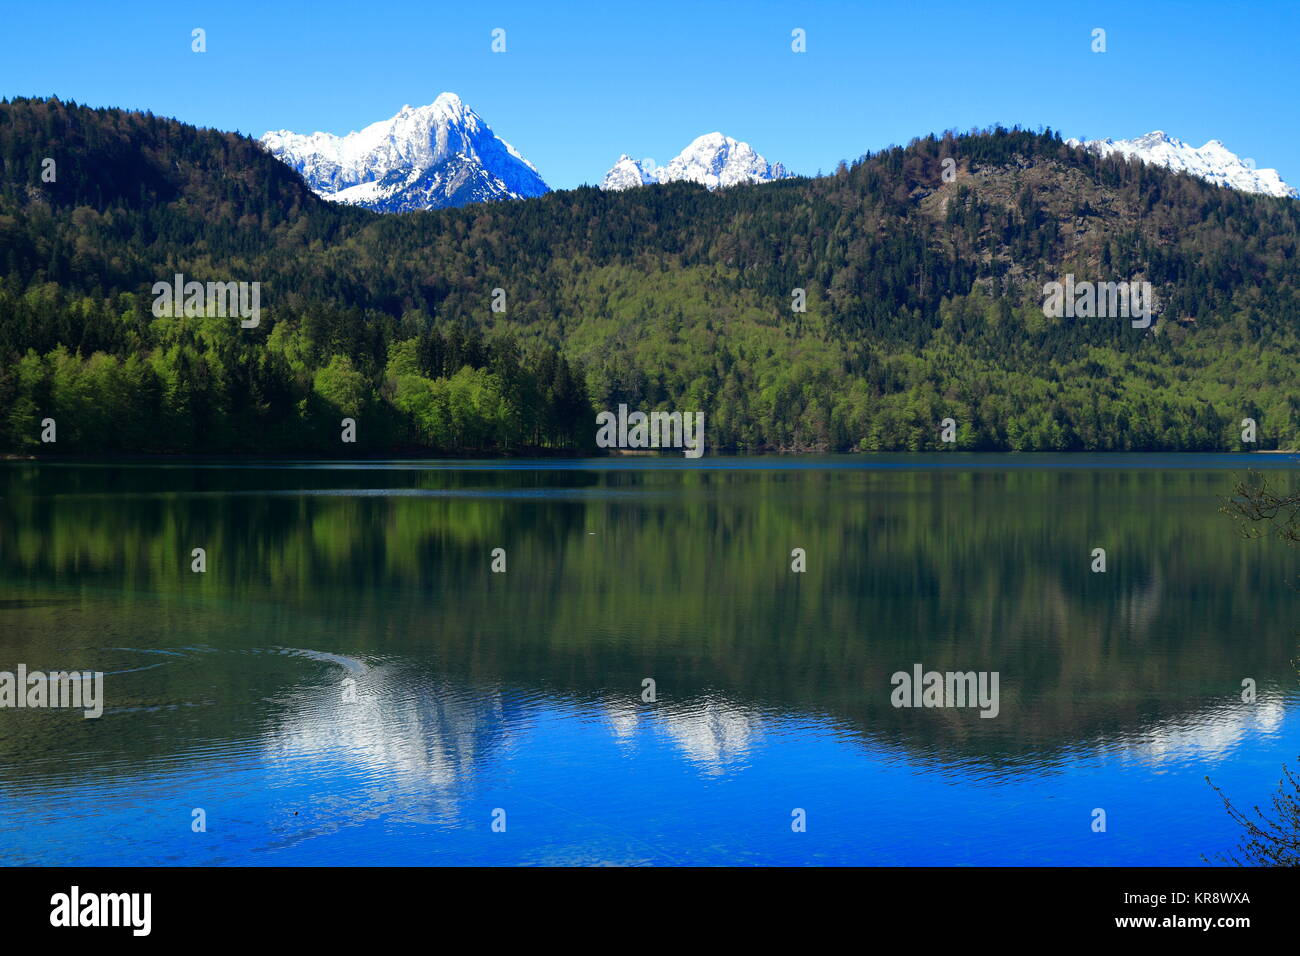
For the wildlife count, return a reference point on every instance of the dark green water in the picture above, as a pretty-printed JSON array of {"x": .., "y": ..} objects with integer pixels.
[{"x": 522, "y": 691}]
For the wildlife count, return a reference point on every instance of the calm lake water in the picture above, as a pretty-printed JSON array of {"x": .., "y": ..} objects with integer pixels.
[{"x": 522, "y": 692}]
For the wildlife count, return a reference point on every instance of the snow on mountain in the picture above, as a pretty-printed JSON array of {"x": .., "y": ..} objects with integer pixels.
[
  {"x": 427, "y": 157},
  {"x": 712, "y": 160},
  {"x": 625, "y": 174},
  {"x": 1213, "y": 161}
]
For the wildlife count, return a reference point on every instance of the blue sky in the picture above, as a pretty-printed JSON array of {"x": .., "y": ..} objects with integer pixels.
[{"x": 581, "y": 83}]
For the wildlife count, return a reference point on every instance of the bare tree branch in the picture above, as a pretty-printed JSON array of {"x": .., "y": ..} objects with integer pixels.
[
  {"x": 1268, "y": 842},
  {"x": 1254, "y": 502}
]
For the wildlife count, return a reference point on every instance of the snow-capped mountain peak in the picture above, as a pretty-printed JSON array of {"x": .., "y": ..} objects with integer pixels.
[
  {"x": 712, "y": 160},
  {"x": 625, "y": 174},
  {"x": 1213, "y": 162},
  {"x": 424, "y": 157}
]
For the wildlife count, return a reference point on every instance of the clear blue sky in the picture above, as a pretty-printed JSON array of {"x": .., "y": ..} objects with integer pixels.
[{"x": 581, "y": 83}]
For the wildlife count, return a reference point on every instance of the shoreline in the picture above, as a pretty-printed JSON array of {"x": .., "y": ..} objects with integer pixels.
[{"x": 612, "y": 454}]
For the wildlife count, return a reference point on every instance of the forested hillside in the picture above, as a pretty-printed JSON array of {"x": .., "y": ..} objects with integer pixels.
[{"x": 923, "y": 301}]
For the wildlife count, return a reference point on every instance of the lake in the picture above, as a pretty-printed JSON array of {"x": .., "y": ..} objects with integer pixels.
[{"x": 349, "y": 682}]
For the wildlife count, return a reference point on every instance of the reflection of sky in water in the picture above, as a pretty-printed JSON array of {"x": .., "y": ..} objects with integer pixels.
[
  {"x": 412, "y": 771},
  {"x": 523, "y": 693}
]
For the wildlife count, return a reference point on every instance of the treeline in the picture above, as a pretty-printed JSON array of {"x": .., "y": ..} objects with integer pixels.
[
  {"x": 202, "y": 387},
  {"x": 504, "y": 326}
]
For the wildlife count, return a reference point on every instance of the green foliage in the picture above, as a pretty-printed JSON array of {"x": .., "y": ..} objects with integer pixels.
[{"x": 923, "y": 302}]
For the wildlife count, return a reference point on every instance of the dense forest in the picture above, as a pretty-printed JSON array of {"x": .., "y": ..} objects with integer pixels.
[{"x": 503, "y": 327}]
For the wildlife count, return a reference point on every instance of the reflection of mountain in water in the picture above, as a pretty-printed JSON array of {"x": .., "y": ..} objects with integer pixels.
[
  {"x": 1208, "y": 735},
  {"x": 406, "y": 730},
  {"x": 712, "y": 733},
  {"x": 685, "y": 579}
]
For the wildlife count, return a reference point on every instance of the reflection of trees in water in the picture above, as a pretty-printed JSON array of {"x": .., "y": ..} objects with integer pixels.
[
  {"x": 1141, "y": 605},
  {"x": 687, "y": 579}
]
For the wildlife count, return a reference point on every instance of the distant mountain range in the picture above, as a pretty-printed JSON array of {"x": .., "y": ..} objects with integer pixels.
[
  {"x": 444, "y": 154},
  {"x": 712, "y": 160},
  {"x": 1213, "y": 162}
]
